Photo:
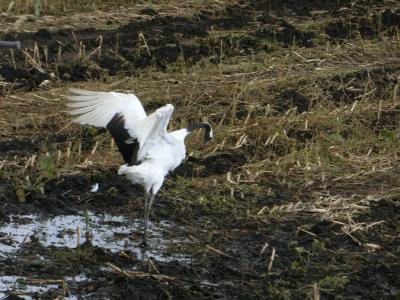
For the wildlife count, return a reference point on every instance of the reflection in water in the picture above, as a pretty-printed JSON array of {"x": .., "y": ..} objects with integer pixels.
[
  {"x": 17, "y": 283},
  {"x": 22, "y": 286},
  {"x": 102, "y": 230}
]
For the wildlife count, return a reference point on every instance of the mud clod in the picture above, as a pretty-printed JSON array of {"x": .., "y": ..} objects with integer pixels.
[{"x": 290, "y": 99}]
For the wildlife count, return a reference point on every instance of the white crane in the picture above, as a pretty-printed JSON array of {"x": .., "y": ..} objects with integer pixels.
[{"x": 150, "y": 152}]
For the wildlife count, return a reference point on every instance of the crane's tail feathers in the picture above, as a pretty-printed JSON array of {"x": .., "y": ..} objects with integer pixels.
[{"x": 123, "y": 169}]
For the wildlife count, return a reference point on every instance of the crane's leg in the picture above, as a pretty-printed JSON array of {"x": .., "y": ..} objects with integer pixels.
[
  {"x": 146, "y": 217},
  {"x": 150, "y": 205},
  {"x": 146, "y": 200}
]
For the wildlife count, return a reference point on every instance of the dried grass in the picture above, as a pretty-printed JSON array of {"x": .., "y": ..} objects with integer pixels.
[{"x": 336, "y": 148}]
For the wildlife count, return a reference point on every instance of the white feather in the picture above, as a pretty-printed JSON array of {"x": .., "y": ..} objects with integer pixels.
[{"x": 94, "y": 188}]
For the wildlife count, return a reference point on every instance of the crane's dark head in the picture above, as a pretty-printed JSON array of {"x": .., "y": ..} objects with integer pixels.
[{"x": 208, "y": 133}]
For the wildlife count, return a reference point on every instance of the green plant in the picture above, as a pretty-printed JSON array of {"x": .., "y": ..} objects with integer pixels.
[{"x": 35, "y": 182}]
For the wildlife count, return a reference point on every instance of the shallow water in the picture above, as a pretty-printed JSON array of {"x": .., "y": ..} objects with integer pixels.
[
  {"x": 71, "y": 231},
  {"x": 103, "y": 230},
  {"x": 25, "y": 289},
  {"x": 16, "y": 284}
]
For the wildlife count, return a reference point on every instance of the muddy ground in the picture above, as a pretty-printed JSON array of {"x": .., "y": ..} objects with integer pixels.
[{"x": 273, "y": 235}]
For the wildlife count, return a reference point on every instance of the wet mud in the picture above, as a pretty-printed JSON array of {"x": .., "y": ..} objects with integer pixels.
[
  {"x": 157, "y": 41},
  {"x": 67, "y": 242},
  {"x": 351, "y": 87}
]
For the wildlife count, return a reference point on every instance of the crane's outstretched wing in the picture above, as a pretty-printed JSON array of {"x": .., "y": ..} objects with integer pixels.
[
  {"x": 98, "y": 108},
  {"x": 119, "y": 113},
  {"x": 124, "y": 116}
]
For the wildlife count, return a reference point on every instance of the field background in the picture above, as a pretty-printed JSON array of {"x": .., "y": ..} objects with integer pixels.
[{"x": 297, "y": 196}]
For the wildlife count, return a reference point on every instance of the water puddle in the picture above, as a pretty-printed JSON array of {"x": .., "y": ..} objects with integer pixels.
[
  {"x": 106, "y": 231},
  {"x": 103, "y": 230},
  {"x": 27, "y": 288},
  {"x": 17, "y": 285}
]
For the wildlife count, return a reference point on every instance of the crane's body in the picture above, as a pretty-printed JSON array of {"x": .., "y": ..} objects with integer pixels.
[
  {"x": 163, "y": 157},
  {"x": 150, "y": 152}
]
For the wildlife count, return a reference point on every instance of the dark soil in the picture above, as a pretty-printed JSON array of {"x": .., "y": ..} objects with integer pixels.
[
  {"x": 290, "y": 99},
  {"x": 161, "y": 40},
  {"x": 351, "y": 86},
  {"x": 242, "y": 275},
  {"x": 225, "y": 243}
]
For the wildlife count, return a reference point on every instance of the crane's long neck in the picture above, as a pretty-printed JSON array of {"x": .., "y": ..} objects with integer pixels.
[{"x": 208, "y": 130}]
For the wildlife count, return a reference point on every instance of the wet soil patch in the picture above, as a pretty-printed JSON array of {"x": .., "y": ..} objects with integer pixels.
[
  {"x": 23, "y": 147},
  {"x": 278, "y": 29},
  {"x": 22, "y": 78},
  {"x": 68, "y": 194},
  {"x": 311, "y": 254},
  {"x": 139, "y": 44},
  {"x": 381, "y": 273},
  {"x": 290, "y": 99},
  {"x": 301, "y": 7},
  {"x": 155, "y": 41},
  {"x": 16, "y": 146},
  {"x": 163, "y": 38},
  {"x": 219, "y": 163},
  {"x": 385, "y": 22},
  {"x": 378, "y": 81},
  {"x": 40, "y": 236},
  {"x": 383, "y": 210},
  {"x": 222, "y": 162}
]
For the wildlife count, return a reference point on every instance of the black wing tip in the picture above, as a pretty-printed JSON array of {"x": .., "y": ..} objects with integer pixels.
[{"x": 129, "y": 150}]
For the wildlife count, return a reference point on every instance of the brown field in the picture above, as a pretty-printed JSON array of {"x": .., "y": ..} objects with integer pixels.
[{"x": 296, "y": 197}]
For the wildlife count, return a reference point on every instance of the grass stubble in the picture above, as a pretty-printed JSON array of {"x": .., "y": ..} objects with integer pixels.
[{"x": 335, "y": 160}]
